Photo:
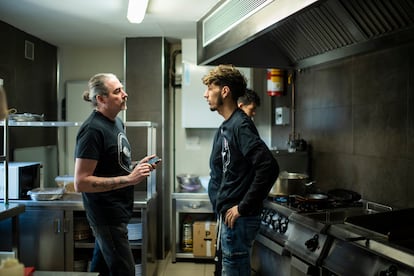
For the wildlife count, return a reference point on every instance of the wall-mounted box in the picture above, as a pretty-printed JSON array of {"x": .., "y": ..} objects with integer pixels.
[{"x": 282, "y": 116}]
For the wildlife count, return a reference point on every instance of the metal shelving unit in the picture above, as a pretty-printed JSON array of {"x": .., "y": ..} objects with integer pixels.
[
  {"x": 193, "y": 204},
  {"x": 151, "y": 145},
  {"x": 146, "y": 205},
  {"x": 5, "y": 160}
]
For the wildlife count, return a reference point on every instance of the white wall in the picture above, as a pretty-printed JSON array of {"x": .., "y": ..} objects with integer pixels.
[
  {"x": 79, "y": 64},
  {"x": 82, "y": 63}
]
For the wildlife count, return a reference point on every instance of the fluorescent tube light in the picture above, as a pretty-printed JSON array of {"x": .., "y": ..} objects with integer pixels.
[{"x": 137, "y": 10}]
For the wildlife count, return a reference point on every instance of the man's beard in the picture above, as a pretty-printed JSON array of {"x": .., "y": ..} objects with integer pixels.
[{"x": 219, "y": 103}]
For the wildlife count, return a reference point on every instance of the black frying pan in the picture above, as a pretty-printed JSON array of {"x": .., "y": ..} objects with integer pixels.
[{"x": 343, "y": 195}]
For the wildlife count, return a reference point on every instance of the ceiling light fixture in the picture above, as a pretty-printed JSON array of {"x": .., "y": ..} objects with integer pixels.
[{"x": 137, "y": 10}]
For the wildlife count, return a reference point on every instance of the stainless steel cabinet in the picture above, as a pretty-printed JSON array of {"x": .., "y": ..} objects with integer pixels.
[
  {"x": 187, "y": 206},
  {"x": 42, "y": 238}
]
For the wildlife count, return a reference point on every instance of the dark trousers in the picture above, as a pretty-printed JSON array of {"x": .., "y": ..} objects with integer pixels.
[{"x": 112, "y": 255}]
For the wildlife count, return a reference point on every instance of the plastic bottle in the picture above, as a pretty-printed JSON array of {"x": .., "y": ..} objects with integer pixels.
[{"x": 187, "y": 238}]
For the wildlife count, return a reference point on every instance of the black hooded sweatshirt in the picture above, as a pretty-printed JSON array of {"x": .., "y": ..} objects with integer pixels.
[{"x": 242, "y": 168}]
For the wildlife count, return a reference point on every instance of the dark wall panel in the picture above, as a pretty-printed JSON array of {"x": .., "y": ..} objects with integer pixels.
[
  {"x": 31, "y": 85},
  {"x": 358, "y": 115}
]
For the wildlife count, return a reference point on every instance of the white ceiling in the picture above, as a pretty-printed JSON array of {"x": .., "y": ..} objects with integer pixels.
[{"x": 88, "y": 23}]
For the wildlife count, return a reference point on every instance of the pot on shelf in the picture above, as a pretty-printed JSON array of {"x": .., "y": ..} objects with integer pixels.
[{"x": 290, "y": 184}]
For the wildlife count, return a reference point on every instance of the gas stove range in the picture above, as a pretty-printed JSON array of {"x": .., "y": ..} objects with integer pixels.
[
  {"x": 303, "y": 237},
  {"x": 301, "y": 226},
  {"x": 319, "y": 238}
]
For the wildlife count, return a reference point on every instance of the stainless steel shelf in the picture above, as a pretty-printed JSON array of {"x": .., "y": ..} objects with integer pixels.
[
  {"x": 80, "y": 244},
  {"x": 135, "y": 244},
  {"x": 151, "y": 137},
  {"x": 182, "y": 255},
  {"x": 71, "y": 124},
  {"x": 42, "y": 124},
  {"x": 91, "y": 244}
]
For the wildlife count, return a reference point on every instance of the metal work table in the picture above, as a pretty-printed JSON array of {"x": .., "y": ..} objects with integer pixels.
[
  {"x": 12, "y": 210},
  {"x": 72, "y": 201},
  {"x": 52, "y": 224}
]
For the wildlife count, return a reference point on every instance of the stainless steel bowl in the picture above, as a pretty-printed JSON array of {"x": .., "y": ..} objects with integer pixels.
[{"x": 189, "y": 182}]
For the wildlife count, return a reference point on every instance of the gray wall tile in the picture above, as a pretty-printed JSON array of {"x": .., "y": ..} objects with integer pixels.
[{"x": 358, "y": 115}]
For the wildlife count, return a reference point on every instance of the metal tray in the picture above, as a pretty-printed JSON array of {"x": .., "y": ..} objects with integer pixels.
[{"x": 39, "y": 194}]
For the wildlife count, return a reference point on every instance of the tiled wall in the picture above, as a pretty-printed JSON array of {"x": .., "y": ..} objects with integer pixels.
[{"x": 358, "y": 115}]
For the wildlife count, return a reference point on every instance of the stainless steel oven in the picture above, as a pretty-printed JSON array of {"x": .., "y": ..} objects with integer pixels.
[
  {"x": 307, "y": 244},
  {"x": 269, "y": 258}
]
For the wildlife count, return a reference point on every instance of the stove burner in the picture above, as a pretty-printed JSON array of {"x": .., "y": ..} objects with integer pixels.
[{"x": 281, "y": 199}]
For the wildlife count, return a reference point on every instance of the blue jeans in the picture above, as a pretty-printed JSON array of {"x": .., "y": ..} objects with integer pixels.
[
  {"x": 112, "y": 255},
  {"x": 236, "y": 244}
]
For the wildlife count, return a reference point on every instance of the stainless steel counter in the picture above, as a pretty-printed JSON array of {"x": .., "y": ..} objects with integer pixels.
[
  {"x": 72, "y": 201},
  {"x": 10, "y": 210},
  {"x": 193, "y": 196}
]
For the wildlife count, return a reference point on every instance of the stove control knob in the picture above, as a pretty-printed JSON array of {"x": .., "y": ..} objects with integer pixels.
[
  {"x": 275, "y": 224},
  {"x": 267, "y": 218},
  {"x": 284, "y": 226},
  {"x": 313, "y": 243}
]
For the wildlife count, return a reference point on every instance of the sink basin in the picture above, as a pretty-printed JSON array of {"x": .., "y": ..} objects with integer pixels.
[{"x": 337, "y": 215}]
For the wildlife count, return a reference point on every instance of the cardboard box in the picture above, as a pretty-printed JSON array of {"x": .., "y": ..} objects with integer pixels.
[{"x": 204, "y": 239}]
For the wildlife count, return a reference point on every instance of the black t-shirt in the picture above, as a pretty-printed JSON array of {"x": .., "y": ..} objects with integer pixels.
[
  {"x": 104, "y": 140},
  {"x": 243, "y": 169}
]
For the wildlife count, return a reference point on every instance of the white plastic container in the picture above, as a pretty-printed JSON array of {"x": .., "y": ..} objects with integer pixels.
[{"x": 11, "y": 267}]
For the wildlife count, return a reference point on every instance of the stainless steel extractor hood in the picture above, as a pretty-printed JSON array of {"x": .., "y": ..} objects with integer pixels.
[{"x": 300, "y": 33}]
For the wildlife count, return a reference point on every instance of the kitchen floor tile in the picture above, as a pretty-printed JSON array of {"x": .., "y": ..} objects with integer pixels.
[{"x": 184, "y": 268}]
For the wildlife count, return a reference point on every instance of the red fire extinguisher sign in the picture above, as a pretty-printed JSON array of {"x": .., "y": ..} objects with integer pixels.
[{"x": 274, "y": 82}]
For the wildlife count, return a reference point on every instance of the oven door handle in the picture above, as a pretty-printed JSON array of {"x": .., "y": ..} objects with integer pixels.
[
  {"x": 275, "y": 247},
  {"x": 300, "y": 265}
]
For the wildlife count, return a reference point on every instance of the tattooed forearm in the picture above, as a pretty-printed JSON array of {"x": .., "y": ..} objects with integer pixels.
[{"x": 110, "y": 183}]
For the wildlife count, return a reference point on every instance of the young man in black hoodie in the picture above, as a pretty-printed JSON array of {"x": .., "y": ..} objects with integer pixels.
[
  {"x": 249, "y": 102},
  {"x": 242, "y": 170}
]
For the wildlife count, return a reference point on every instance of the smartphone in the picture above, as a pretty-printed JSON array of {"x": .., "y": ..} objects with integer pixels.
[{"x": 154, "y": 160}]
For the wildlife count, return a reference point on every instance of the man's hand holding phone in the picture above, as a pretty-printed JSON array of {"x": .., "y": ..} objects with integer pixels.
[{"x": 155, "y": 160}]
